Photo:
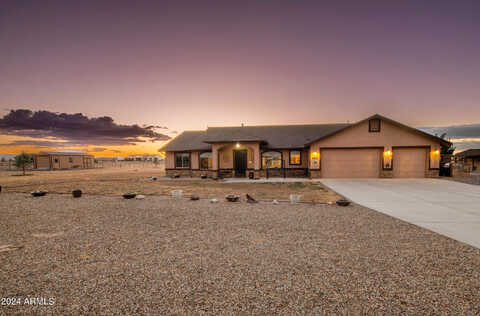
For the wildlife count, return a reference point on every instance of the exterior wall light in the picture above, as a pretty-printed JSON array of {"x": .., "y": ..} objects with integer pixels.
[{"x": 237, "y": 145}]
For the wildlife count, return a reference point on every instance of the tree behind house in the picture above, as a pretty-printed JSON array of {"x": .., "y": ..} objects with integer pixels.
[{"x": 22, "y": 161}]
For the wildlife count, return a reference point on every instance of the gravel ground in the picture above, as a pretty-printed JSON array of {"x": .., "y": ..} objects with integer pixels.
[{"x": 103, "y": 255}]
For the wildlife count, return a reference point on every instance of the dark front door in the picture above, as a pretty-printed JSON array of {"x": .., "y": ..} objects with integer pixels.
[{"x": 240, "y": 162}]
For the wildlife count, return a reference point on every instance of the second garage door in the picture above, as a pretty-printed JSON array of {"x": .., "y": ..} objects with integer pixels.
[
  {"x": 409, "y": 162},
  {"x": 350, "y": 163}
]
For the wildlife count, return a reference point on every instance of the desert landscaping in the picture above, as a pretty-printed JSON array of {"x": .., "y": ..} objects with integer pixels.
[{"x": 102, "y": 254}]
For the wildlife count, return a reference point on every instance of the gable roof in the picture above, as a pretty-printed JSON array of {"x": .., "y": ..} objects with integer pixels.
[
  {"x": 273, "y": 136},
  {"x": 386, "y": 119},
  {"x": 187, "y": 141}
]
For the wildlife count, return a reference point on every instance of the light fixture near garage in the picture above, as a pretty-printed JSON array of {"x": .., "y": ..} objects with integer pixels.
[{"x": 237, "y": 145}]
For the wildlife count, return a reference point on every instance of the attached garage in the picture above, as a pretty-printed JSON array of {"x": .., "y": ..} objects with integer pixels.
[
  {"x": 351, "y": 163},
  {"x": 409, "y": 162}
]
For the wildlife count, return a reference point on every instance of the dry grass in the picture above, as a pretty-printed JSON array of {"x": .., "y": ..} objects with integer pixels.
[
  {"x": 115, "y": 181},
  {"x": 102, "y": 255}
]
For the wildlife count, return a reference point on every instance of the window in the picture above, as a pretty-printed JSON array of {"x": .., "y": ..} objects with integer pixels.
[
  {"x": 271, "y": 159},
  {"x": 206, "y": 160},
  {"x": 295, "y": 157},
  {"x": 182, "y": 160},
  {"x": 374, "y": 126},
  {"x": 70, "y": 159}
]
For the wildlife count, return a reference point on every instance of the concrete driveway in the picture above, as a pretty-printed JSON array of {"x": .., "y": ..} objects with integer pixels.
[{"x": 446, "y": 207}]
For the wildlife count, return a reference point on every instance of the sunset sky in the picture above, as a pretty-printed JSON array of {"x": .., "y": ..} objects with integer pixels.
[{"x": 155, "y": 68}]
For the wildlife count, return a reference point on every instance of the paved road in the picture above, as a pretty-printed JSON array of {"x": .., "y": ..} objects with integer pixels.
[{"x": 446, "y": 207}]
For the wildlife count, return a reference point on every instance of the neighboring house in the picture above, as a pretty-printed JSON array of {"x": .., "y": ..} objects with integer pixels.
[
  {"x": 470, "y": 160},
  {"x": 371, "y": 148},
  {"x": 62, "y": 160},
  {"x": 143, "y": 158}
]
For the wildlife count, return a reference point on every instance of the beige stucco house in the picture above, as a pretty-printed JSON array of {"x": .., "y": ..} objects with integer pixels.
[
  {"x": 372, "y": 148},
  {"x": 62, "y": 160}
]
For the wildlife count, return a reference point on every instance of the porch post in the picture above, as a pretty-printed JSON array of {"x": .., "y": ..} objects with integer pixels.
[
  {"x": 256, "y": 154},
  {"x": 214, "y": 157}
]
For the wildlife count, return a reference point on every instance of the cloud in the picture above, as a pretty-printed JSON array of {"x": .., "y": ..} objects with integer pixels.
[
  {"x": 38, "y": 143},
  {"x": 462, "y": 136},
  {"x": 76, "y": 128}
]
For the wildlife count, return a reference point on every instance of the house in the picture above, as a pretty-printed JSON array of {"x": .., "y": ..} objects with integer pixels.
[
  {"x": 62, "y": 160},
  {"x": 144, "y": 157},
  {"x": 376, "y": 147},
  {"x": 469, "y": 159}
]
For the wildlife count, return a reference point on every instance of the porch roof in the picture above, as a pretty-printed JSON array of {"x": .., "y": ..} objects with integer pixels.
[{"x": 188, "y": 141}]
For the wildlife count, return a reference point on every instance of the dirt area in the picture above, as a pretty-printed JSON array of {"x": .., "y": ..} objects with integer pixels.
[
  {"x": 116, "y": 181},
  {"x": 105, "y": 255}
]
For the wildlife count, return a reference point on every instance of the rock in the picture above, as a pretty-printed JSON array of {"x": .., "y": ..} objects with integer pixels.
[
  {"x": 233, "y": 198},
  {"x": 140, "y": 197},
  {"x": 275, "y": 202},
  {"x": 129, "y": 195},
  {"x": 77, "y": 193},
  {"x": 194, "y": 198},
  {"x": 343, "y": 202},
  {"x": 39, "y": 193},
  {"x": 213, "y": 200},
  {"x": 5, "y": 248},
  {"x": 250, "y": 199}
]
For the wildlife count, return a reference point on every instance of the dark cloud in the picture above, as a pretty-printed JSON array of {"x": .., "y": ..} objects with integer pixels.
[
  {"x": 38, "y": 143},
  {"x": 77, "y": 128},
  {"x": 456, "y": 131},
  {"x": 462, "y": 136}
]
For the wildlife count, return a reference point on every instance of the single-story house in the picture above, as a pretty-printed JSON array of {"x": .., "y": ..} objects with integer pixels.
[
  {"x": 470, "y": 159},
  {"x": 376, "y": 147},
  {"x": 62, "y": 160}
]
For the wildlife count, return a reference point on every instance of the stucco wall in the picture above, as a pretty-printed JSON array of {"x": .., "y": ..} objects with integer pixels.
[
  {"x": 194, "y": 160},
  {"x": 390, "y": 135},
  {"x": 225, "y": 154},
  {"x": 63, "y": 162},
  {"x": 42, "y": 162},
  {"x": 170, "y": 160},
  {"x": 286, "y": 156}
]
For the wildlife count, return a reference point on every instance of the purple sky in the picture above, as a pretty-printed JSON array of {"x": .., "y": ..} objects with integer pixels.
[{"x": 189, "y": 64}]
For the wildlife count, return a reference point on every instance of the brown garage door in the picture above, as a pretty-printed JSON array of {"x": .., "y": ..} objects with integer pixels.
[
  {"x": 350, "y": 163},
  {"x": 409, "y": 162}
]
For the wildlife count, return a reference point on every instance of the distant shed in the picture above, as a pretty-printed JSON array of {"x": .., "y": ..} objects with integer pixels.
[{"x": 62, "y": 160}]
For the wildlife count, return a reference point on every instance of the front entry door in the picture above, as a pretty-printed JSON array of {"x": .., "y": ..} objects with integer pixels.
[{"x": 240, "y": 162}]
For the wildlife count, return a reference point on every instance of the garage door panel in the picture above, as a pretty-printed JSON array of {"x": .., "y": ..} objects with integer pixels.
[
  {"x": 409, "y": 162},
  {"x": 350, "y": 163}
]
